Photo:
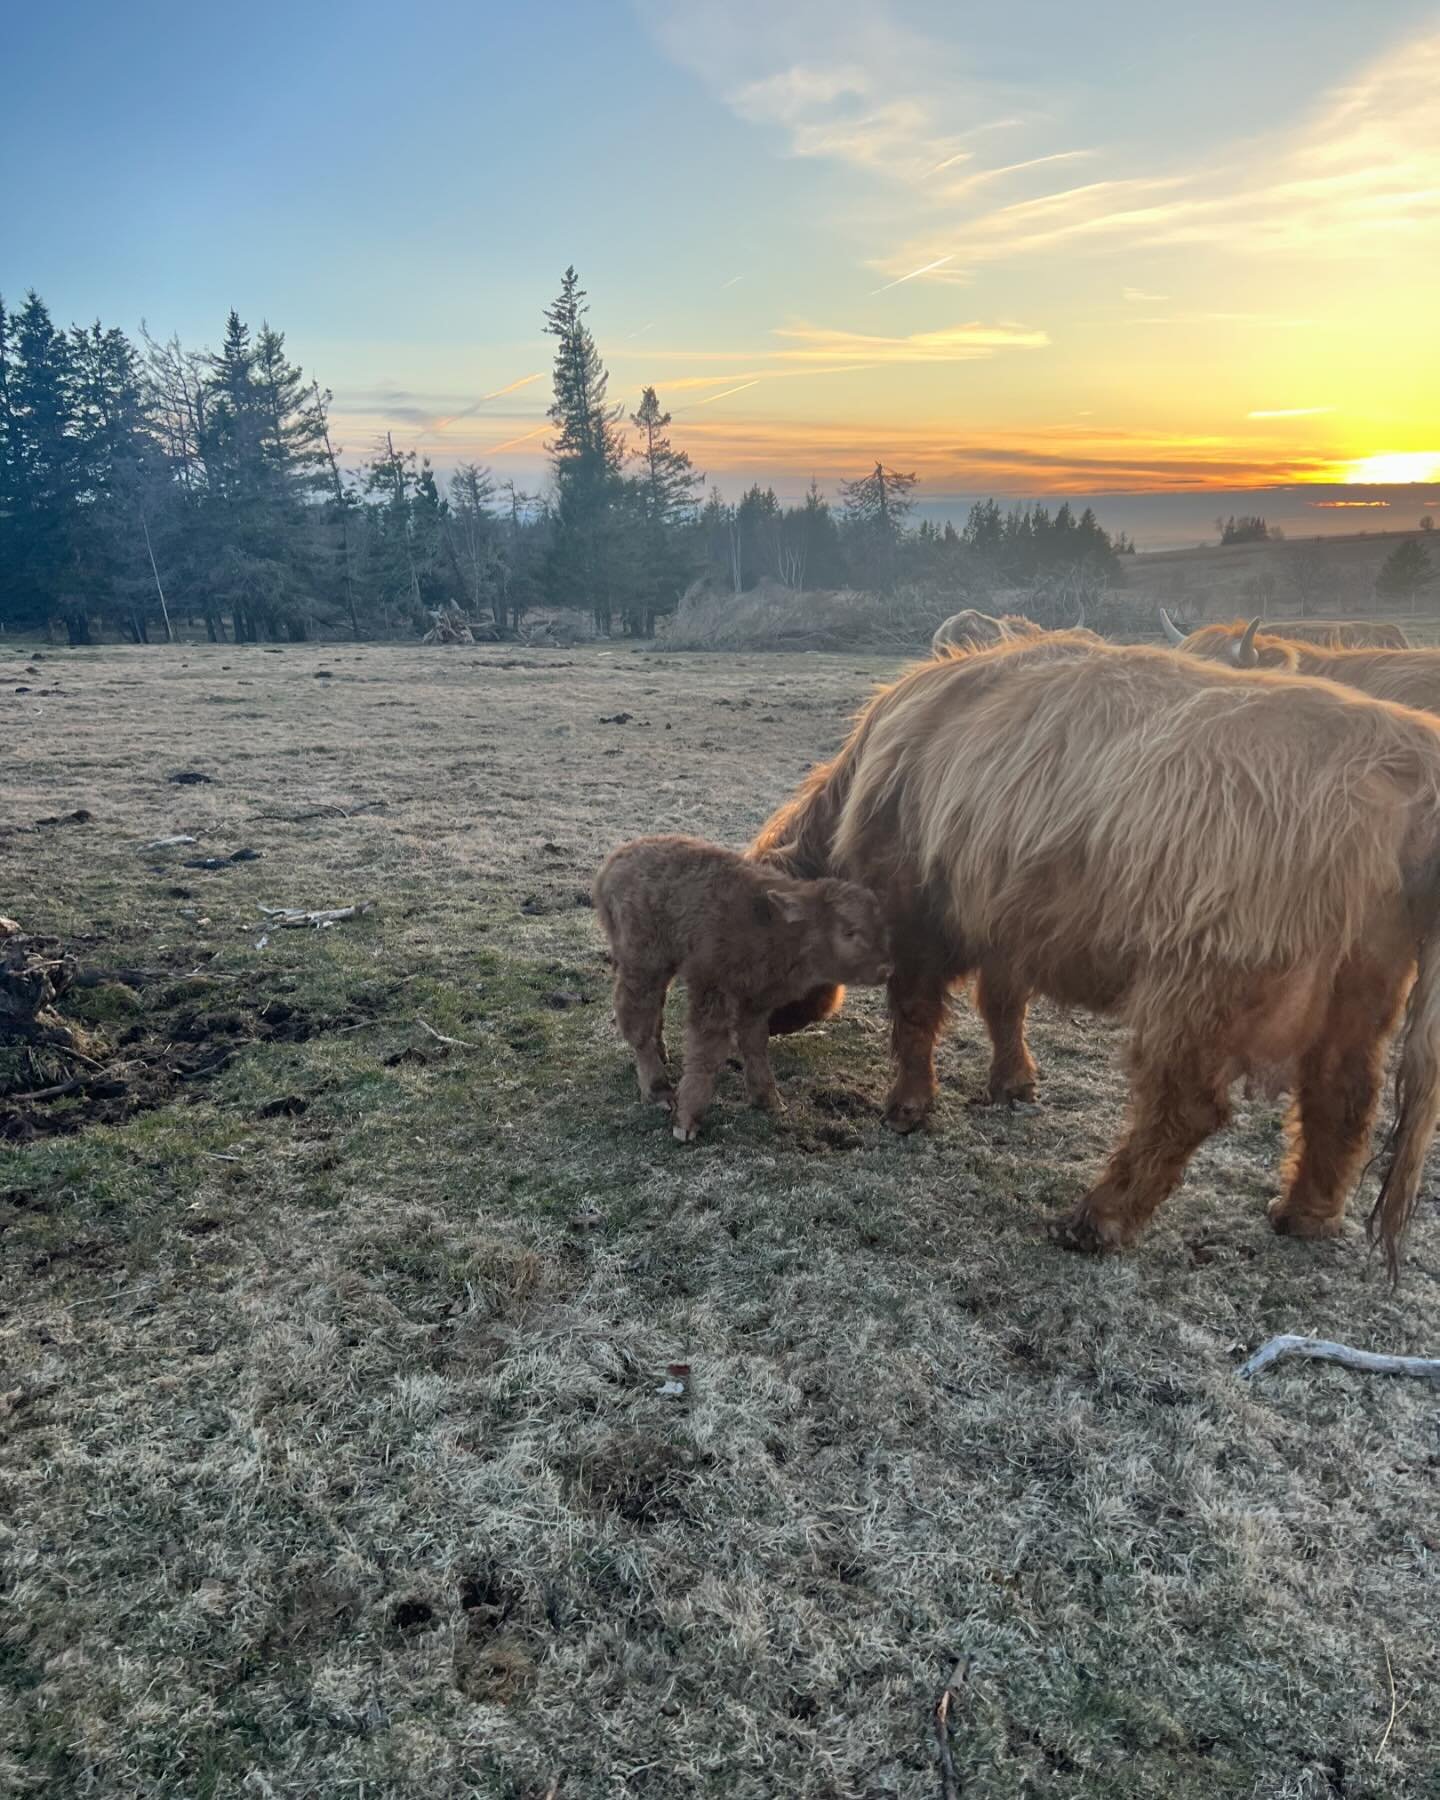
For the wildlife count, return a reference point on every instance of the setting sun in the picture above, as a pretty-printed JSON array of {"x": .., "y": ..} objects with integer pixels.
[{"x": 1396, "y": 466}]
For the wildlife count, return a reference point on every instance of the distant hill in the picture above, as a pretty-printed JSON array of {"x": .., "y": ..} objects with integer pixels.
[{"x": 1294, "y": 578}]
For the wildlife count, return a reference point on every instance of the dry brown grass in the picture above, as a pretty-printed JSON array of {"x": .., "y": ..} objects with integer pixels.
[{"x": 331, "y": 1456}]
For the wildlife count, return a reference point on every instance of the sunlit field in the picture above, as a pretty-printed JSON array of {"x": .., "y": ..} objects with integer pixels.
[{"x": 341, "y": 1297}]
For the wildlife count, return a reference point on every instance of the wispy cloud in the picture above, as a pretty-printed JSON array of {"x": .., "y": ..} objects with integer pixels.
[
  {"x": 731, "y": 282},
  {"x": 1289, "y": 412},
  {"x": 1137, "y": 295},
  {"x": 954, "y": 343}
]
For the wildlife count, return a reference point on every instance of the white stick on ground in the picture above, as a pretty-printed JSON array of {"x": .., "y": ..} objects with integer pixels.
[
  {"x": 1368, "y": 1362},
  {"x": 297, "y": 916}
]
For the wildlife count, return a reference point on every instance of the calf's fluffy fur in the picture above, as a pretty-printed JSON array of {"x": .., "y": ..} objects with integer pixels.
[{"x": 743, "y": 938}]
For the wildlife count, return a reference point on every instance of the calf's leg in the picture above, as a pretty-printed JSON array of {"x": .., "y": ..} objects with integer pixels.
[
  {"x": 752, "y": 1034},
  {"x": 1001, "y": 1001},
  {"x": 1336, "y": 1096},
  {"x": 1176, "y": 1102},
  {"x": 707, "y": 1044},
  {"x": 639, "y": 1009}
]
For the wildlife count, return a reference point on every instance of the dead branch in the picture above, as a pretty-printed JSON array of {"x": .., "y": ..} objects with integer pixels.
[
  {"x": 294, "y": 917},
  {"x": 47, "y": 1093},
  {"x": 949, "y": 1780},
  {"x": 1367, "y": 1362},
  {"x": 344, "y": 812},
  {"x": 440, "y": 1037}
]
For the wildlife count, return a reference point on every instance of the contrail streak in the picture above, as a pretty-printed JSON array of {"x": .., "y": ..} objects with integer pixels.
[
  {"x": 510, "y": 443},
  {"x": 712, "y": 398},
  {"x": 465, "y": 411},
  {"x": 924, "y": 269}
]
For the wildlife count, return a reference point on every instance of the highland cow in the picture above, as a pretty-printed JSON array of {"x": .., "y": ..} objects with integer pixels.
[
  {"x": 744, "y": 940},
  {"x": 971, "y": 630},
  {"x": 1243, "y": 868},
  {"x": 1405, "y": 677},
  {"x": 1324, "y": 634}
]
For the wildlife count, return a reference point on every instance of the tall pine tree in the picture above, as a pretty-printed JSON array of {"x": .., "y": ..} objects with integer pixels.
[{"x": 586, "y": 454}]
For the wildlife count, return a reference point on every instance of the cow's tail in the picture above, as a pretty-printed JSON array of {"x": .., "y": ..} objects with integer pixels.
[{"x": 1417, "y": 1109}]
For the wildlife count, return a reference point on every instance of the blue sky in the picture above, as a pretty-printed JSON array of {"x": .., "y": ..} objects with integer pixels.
[{"x": 1021, "y": 248}]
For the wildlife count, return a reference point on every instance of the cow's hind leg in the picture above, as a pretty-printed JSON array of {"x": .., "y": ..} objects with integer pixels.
[
  {"x": 1336, "y": 1097},
  {"x": 1176, "y": 1103},
  {"x": 1001, "y": 1002},
  {"x": 639, "y": 1010}
]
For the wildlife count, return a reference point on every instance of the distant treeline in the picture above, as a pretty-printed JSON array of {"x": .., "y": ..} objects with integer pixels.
[{"x": 145, "y": 487}]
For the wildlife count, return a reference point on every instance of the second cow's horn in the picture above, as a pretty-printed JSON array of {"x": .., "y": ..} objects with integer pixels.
[{"x": 1172, "y": 631}]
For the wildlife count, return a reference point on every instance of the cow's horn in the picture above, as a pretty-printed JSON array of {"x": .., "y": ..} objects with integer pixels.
[
  {"x": 1173, "y": 633},
  {"x": 1243, "y": 653}
]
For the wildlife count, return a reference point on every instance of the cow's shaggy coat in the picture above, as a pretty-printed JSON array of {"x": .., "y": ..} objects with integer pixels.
[
  {"x": 1407, "y": 677},
  {"x": 1243, "y": 867}
]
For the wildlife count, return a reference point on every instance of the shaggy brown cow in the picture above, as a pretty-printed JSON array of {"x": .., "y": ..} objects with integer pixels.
[
  {"x": 1407, "y": 677},
  {"x": 971, "y": 630},
  {"x": 1327, "y": 634},
  {"x": 743, "y": 938},
  {"x": 1242, "y": 867}
]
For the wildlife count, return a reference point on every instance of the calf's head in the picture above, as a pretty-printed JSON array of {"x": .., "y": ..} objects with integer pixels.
[{"x": 846, "y": 937}]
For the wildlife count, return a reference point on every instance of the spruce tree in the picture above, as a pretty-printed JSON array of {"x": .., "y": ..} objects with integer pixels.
[{"x": 586, "y": 455}]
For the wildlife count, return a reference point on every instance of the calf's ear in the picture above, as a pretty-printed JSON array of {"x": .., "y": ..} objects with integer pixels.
[{"x": 788, "y": 905}]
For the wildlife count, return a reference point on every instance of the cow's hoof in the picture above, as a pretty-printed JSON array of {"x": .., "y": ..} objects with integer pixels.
[
  {"x": 1304, "y": 1225},
  {"x": 906, "y": 1116},
  {"x": 662, "y": 1094},
  {"x": 684, "y": 1134},
  {"x": 1077, "y": 1231}
]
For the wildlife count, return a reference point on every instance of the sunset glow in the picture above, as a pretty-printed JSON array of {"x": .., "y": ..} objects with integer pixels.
[
  {"x": 1396, "y": 466},
  {"x": 855, "y": 230}
]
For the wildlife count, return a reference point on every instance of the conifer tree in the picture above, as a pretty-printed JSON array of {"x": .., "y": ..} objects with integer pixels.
[{"x": 586, "y": 455}]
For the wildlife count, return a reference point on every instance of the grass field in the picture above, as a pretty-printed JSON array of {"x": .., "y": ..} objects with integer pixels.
[{"x": 333, "y": 1456}]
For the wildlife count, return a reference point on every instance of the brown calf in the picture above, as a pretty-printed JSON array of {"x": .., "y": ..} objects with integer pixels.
[{"x": 743, "y": 938}]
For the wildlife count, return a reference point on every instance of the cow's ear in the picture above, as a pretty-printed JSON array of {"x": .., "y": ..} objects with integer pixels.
[{"x": 787, "y": 904}]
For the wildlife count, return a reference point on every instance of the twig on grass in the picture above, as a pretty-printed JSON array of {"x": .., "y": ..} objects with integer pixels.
[
  {"x": 296, "y": 916},
  {"x": 319, "y": 812},
  {"x": 1390, "y": 1726},
  {"x": 949, "y": 1780},
  {"x": 440, "y": 1037},
  {"x": 1367, "y": 1362},
  {"x": 47, "y": 1093}
]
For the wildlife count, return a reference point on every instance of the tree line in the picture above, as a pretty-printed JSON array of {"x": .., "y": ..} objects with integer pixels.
[{"x": 147, "y": 487}]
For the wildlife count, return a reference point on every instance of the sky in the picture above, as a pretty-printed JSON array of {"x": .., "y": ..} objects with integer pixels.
[{"x": 1024, "y": 250}]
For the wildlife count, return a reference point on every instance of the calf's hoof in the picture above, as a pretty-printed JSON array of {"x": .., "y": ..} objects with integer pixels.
[
  {"x": 684, "y": 1134},
  {"x": 661, "y": 1094},
  {"x": 1303, "y": 1224},
  {"x": 768, "y": 1103},
  {"x": 1011, "y": 1090}
]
